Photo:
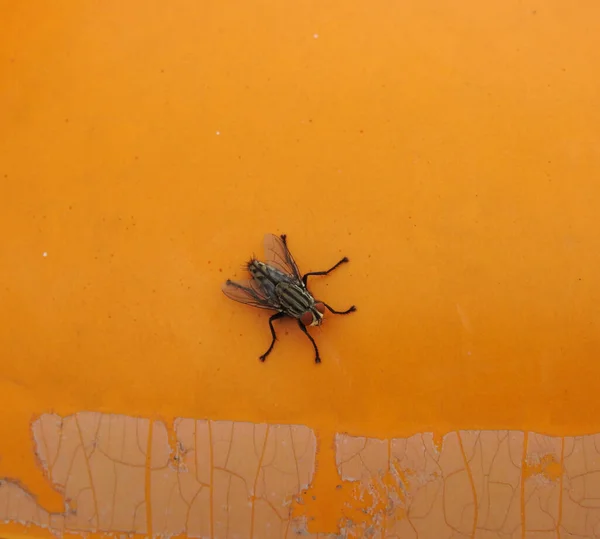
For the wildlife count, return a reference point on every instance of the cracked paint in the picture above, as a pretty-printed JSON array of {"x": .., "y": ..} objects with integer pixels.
[
  {"x": 227, "y": 479},
  {"x": 475, "y": 486},
  {"x": 121, "y": 474}
]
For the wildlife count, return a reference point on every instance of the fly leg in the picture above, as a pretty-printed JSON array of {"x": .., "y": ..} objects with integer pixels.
[
  {"x": 350, "y": 310},
  {"x": 305, "y": 331},
  {"x": 307, "y": 275},
  {"x": 276, "y": 316}
]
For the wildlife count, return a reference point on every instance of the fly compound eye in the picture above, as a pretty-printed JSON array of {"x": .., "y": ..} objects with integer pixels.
[
  {"x": 307, "y": 318},
  {"x": 320, "y": 307}
]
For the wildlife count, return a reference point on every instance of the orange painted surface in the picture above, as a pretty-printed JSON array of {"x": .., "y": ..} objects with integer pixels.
[{"x": 451, "y": 151}]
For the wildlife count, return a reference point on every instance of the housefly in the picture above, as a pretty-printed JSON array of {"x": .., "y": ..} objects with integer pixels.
[{"x": 277, "y": 285}]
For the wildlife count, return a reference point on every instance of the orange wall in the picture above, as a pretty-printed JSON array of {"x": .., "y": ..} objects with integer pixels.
[{"x": 452, "y": 151}]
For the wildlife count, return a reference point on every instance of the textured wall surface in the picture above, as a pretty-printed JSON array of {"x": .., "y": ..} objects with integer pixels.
[{"x": 450, "y": 150}]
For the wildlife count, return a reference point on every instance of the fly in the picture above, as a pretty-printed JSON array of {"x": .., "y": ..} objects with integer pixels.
[{"x": 277, "y": 285}]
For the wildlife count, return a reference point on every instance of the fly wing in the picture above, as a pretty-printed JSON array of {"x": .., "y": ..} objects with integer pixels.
[
  {"x": 249, "y": 293},
  {"x": 278, "y": 255}
]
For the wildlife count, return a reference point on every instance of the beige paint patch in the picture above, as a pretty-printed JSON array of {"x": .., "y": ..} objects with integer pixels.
[{"x": 122, "y": 474}]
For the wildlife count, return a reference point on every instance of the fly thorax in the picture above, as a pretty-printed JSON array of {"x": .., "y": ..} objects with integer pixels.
[{"x": 294, "y": 299}]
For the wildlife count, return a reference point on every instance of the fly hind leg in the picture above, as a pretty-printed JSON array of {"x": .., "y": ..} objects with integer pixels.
[
  {"x": 305, "y": 331},
  {"x": 327, "y": 272},
  {"x": 276, "y": 316}
]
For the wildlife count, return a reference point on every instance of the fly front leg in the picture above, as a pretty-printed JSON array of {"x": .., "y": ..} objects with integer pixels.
[
  {"x": 350, "y": 310},
  {"x": 305, "y": 331},
  {"x": 307, "y": 275},
  {"x": 276, "y": 316}
]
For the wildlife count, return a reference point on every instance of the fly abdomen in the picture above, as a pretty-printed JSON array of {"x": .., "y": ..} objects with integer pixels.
[
  {"x": 295, "y": 301},
  {"x": 267, "y": 276}
]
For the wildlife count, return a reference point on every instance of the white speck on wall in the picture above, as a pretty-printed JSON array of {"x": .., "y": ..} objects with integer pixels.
[
  {"x": 316, "y": 36},
  {"x": 218, "y": 132},
  {"x": 44, "y": 254}
]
